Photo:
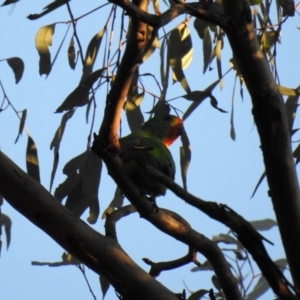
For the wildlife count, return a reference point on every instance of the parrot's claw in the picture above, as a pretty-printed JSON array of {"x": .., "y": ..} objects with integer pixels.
[{"x": 152, "y": 199}]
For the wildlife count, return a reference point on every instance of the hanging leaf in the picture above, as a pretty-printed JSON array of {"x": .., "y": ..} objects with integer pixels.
[
  {"x": 201, "y": 27},
  {"x": 198, "y": 96},
  {"x": 291, "y": 106},
  {"x": 116, "y": 202},
  {"x": 206, "y": 266},
  {"x": 236, "y": 68},
  {"x": 285, "y": 91},
  {"x": 258, "y": 183},
  {"x": 91, "y": 174},
  {"x": 163, "y": 77},
  {"x": 55, "y": 143},
  {"x": 161, "y": 108},
  {"x": 47, "y": 9},
  {"x": 70, "y": 169},
  {"x": 7, "y": 2},
  {"x": 69, "y": 259},
  {"x": 232, "y": 130},
  {"x": 214, "y": 104},
  {"x": 134, "y": 115},
  {"x": 32, "y": 161},
  {"x": 265, "y": 224},
  {"x": 288, "y": 7},
  {"x": 216, "y": 283},
  {"x": 81, "y": 185},
  {"x": 43, "y": 40},
  {"x": 296, "y": 154},
  {"x": 6, "y": 222},
  {"x": 262, "y": 285},
  {"x": 104, "y": 285},
  {"x": 268, "y": 40},
  {"x": 227, "y": 239},
  {"x": 180, "y": 52},
  {"x": 60, "y": 130},
  {"x": 207, "y": 49},
  {"x": 91, "y": 53},
  {"x": 75, "y": 164},
  {"x": 152, "y": 48},
  {"x": 17, "y": 66},
  {"x": 198, "y": 295},
  {"x": 79, "y": 96},
  {"x": 72, "y": 54},
  {"x": 21, "y": 125},
  {"x": 260, "y": 288},
  {"x": 185, "y": 158},
  {"x": 219, "y": 46},
  {"x": 195, "y": 104}
]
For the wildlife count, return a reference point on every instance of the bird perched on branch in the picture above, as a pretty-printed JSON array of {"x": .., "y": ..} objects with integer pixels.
[{"x": 149, "y": 145}]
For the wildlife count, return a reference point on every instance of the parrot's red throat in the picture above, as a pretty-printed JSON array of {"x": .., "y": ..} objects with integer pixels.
[{"x": 175, "y": 131}]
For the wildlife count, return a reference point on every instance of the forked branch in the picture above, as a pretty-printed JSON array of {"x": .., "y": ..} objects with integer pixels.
[{"x": 244, "y": 231}]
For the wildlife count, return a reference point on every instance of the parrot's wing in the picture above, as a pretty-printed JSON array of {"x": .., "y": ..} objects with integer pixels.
[{"x": 139, "y": 150}]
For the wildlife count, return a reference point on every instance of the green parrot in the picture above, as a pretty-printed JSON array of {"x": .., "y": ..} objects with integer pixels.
[{"x": 149, "y": 145}]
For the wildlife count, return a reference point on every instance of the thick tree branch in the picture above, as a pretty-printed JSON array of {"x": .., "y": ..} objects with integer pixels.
[
  {"x": 272, "y": 125},
  {"x": 101, "y": 254},
  {"x": 244, "y": 231}
]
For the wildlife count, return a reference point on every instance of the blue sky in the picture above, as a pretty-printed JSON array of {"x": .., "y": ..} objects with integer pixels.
[{"x": 221, "y": 170}]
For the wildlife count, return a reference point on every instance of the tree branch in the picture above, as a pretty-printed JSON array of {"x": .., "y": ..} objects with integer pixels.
[
  {"x": 271, "y": 120},
  {"x": 172, "y": 224},
  {"x": 244, "y": 231},
  {"x": 101, "y": 254},
  {"x": 114, "y": 217},
  {"x": 136, "y": 42},
  {"x": 157, "y": 268},
  {"x": 106, "y": 145},
  {"x": 196, "y": 9}
]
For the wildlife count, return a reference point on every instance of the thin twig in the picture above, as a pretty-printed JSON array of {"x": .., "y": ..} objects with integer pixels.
[
  {"x": 14, "y": 109},
  {"x": 75, "y": 32},
  {"x": 157, "y": 268},
  {"x": 93, "y": 10},
  {"x": 81, "y": 268}
]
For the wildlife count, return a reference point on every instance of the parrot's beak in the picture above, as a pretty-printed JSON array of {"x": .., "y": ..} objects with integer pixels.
[{"x": 180, "y": 130}]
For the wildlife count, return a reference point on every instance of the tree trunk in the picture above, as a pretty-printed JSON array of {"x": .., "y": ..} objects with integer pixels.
[{"x": 271, "y": 120}]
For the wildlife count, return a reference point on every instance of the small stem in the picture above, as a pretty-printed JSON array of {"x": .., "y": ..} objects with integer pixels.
[
  {"x": 75, "y": 32},
  {"x": 10, "y": 104},
  {"x": 81, "y": 268}
]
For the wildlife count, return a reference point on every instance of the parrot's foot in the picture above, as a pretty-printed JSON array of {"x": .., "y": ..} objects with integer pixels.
[{"x": 152, "y": 199}]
